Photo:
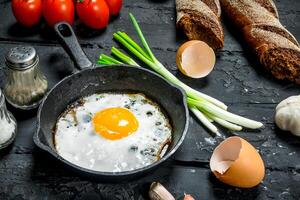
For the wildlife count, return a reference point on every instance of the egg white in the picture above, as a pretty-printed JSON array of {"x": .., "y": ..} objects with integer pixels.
[{"x": 76, "y": 141}]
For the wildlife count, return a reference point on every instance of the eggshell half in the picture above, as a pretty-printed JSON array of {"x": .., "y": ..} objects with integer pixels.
[
  {"x": 236, "y": 162},
  {"x": 195, "y": 59}
]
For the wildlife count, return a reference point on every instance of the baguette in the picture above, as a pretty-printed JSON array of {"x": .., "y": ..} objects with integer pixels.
[
  {"x": 200, "y": 20},
  {"x": 275, "y": 47}
]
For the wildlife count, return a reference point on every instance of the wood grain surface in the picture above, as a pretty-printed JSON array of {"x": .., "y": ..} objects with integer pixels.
[{"x": 238, "y": 80}]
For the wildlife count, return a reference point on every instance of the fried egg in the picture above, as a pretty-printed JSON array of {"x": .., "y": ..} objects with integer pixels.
[{"x": 112, "y": 132}]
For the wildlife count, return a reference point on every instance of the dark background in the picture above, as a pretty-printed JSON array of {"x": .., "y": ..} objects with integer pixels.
[{"x": 238, "y": 80}]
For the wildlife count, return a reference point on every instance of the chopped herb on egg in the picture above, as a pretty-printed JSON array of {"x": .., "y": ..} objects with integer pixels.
[
  {"x": 149, "y": 113},
  {"x": 158, "y": 123},
  {"x": 148, "y": 151},
  {"x": 133, "y": 148}
]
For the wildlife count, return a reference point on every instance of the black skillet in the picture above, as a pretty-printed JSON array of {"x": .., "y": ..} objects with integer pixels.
[{"x": 96, "y": 79}]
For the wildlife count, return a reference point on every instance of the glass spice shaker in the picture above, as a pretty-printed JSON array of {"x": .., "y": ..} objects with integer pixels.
[
  {"x": 7, "y": 123},
  {"x": 26, "y": 85}
]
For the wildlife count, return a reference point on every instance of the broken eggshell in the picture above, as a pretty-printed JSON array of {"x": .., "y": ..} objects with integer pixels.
[
  {"x": 195, "y": 59},
  {"x": 236, "y": 162}
]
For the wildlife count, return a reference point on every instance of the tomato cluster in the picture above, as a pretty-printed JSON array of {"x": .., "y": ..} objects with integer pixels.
[{"x": 93, "y": 13}]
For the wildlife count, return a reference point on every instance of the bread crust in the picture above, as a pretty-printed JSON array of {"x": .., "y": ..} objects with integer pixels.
[
  {"x": 200, "y": 20},
  {"x": 276, "y": 48}
]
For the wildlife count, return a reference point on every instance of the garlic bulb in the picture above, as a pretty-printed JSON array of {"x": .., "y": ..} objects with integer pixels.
[{"x": 287, "y": 115}]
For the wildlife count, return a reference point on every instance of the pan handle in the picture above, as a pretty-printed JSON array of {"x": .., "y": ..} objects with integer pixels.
[{"x": 70, "y": 43}]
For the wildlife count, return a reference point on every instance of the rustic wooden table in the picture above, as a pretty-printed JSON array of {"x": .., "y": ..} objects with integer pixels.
[{"x": 28, "y": 173}]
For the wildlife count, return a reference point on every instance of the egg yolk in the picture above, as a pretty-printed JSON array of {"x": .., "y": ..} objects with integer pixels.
[{"x": 115, "y": 123}]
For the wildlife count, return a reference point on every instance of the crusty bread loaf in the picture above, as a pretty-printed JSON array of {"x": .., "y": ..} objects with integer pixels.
[
  {"x": 276, "y": 48},
  {"x": 200, "y": 20}
]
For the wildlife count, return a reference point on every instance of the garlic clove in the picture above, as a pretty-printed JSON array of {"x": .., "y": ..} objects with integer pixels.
[
  {"x": 159, "y": 192},
  {"x": 188, "y": 197}
]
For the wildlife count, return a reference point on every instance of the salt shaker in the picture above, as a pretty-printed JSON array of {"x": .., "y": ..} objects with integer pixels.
[
  {"x": 25, "y": 85},
  {"x": 8, "y": 125}
]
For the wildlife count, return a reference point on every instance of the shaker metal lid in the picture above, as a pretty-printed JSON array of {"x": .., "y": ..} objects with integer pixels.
[{"x": 21, "y": 57}]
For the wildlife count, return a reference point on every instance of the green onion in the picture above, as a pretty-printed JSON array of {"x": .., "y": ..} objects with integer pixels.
[
  {"x": 133, "y": 43},
  {"x": 107, "y": 60},
  {"x": 124, "y": 58},
  {"x": 207, "y": 109},
  {"x": 204, "y": 120},
  {"x": 223, "y": 122},
  {"x": 101, "y": 62},
  {"x": 223, "y": 114}
]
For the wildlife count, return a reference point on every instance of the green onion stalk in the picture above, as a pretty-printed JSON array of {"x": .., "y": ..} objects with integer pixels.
[{"x": 207, "y": 109}]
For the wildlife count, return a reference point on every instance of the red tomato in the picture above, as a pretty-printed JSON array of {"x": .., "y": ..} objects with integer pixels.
[
  {"x": 93, "y": 13},
  {"x": 55, "y": 11},
  {"x": 114, "y": 6},
  {"x": 27, "y": 12}
]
